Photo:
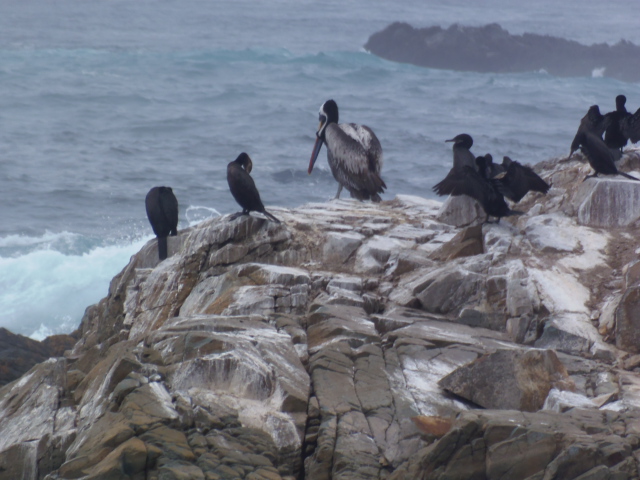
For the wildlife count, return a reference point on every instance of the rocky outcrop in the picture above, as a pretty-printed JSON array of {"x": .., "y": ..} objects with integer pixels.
[
  {"x": 18, "y": 353},
  {"x": 354, "y": 341},
  {"x": 491, "y": 48}
]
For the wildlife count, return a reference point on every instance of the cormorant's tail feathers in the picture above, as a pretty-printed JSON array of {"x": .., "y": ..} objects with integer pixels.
[
  {"x": 626, "y": 175},
  {"x": 162, "y": 248},
  {"x": 271, "y": 216}
]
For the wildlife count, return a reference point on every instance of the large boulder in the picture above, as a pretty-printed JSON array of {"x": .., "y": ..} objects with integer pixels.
[{"x": 509, "y": 379}]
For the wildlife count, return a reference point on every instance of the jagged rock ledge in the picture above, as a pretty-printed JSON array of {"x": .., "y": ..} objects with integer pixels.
[
  {"x": 491, "y": 48},
  {"x": 357, "y": 341}
]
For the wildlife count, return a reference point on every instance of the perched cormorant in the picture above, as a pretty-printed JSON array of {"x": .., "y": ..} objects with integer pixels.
[
  {"x": 243, "y": 188},
  {"x": 593, "y": 122},
  {"x": 353, "y": 152},
  {"x": 162, "y": 211},
  {"x": 519, "y": 180},
  {"x": 613, "y": 135},
  {"x": 462, "y": 157},
  {"x": 473, "y": 183},
  {"x": 630, "y": 127},
  {"x": 600, "y": 157},
  {"x": 492, "y": 169}
]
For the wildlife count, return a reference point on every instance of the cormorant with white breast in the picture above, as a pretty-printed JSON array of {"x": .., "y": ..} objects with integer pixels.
[
  {"x": 519, "y": 180},
  {"x": 243, "y": 188},
  {"x": 162, "y": 211},
  {"x": 354, "y": 154}
]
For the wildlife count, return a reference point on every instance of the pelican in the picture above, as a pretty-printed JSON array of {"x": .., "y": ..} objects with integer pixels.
[
  {"x": 243, "y": 188},
  {"x": 162, "y": 211},
  {"x": 353, "y": 152}
]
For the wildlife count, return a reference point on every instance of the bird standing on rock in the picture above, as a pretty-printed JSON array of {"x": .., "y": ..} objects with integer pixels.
[
  {"x": 600, "y": 156},
  {"x": 613, "y": 135},
  {"x": 593, "y": 122},
  {"x": 243, "y": 188},
  {"x": 462, "y": 157},
  {"x": 354, "y": 154},
  {"x": 162, "y": 211},
  {"x": 471, "y": 180}
]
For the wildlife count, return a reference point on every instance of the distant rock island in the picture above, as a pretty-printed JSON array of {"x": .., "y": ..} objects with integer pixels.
[{"x": 491, "y": 48}]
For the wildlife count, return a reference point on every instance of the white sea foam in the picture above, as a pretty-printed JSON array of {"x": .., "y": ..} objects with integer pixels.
[{"x": 46, "y": 291}]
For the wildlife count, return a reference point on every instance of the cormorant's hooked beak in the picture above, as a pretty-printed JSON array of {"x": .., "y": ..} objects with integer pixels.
[
  {"x": 451, "y": 140},
  {"x": 316, "y": 149}
]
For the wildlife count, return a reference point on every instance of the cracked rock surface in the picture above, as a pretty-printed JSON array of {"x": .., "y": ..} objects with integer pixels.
[{"x": 356, "y": 341}]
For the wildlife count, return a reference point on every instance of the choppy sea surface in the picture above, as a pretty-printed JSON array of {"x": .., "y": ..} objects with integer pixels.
[{"x": 101, "y": 100}]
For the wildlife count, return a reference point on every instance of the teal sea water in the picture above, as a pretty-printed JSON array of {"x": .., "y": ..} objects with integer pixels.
[{"x": 101, "y": 100}]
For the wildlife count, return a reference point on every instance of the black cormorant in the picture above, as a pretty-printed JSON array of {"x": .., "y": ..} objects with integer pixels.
[
  {"x": 243, "y": 188},
  {"x": 600, "y": 157},
  {"x": 593, "y": 122},
  {"x": 519, "y": 180},
  {"x": 492, "y": 169},
  {"x": 613, "y": 135},
  {"x": 630, "y": 127},
  {"x": 162, "y": 211},
  {"x": 471, "y": 182},
  {"x": 462, "y": 157},
  {"x": 353, "y": 152}
]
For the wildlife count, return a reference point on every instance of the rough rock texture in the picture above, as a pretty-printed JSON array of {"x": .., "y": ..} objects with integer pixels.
[
  {"x": 18, "y": 353},
  {"x": 490, "y": 48},
  {"x": 319, "y": 349}
]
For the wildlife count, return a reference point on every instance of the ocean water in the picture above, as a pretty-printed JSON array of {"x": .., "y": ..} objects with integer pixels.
[{"x": 101, "y": 100}]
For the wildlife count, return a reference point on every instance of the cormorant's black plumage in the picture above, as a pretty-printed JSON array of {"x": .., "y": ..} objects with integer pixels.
[
  {"x": 593, "y": 122},
  {"x": 243, "y": 188},
  {"x": 630, "y": 127},
  {"x": 472, "y": 181},
  {"x": 492, "y": 169},
  {"x": 462, "y": 157},
  {"x": 614, "y": 136},
  {"x": 600, "y": 157},
  {"x": 519, "y": 180},
  {"x": 162, "y": 211}
]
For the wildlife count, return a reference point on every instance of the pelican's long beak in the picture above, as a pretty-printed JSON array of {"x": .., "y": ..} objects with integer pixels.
[
  {"x": 314, "y": 155},
  {"x": 316, "y": 149}
]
